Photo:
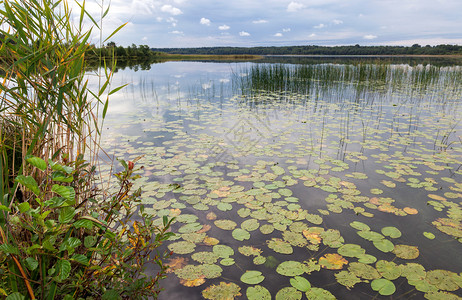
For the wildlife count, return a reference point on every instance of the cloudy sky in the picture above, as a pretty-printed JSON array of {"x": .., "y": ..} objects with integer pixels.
[{"x": 204, "y": 23}]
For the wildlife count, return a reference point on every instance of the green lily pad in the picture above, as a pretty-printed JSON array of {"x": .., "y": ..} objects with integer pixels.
[
  {"x": 258, "y": 293},
  {"x": 441, "y": 296},
  {"x": 227, "y": 262},
  {"x": 388, "y": 269},
  {"x": 291, "y": 268},
  {"x": 370, "y": 235},
  {"x": 252, "y": 277},
  {"x": 413, "y": 271},
  {"x": 318, "y": 293},
  {"x": 211, "y": 271},
  {"x": 347, "y": 279},
  {"x": 384, "y": 245},
  {"x": 240, "y": 234},
  {"x": 360, "y": 226},
  {"x": 259, "y": 260},
  {"x": 223, "y": 251},
  {"x": 384, "y": 286},
  {"x": 363, "y": 271},
  {"x": 280, "y": 246},
  {"x": 250, "y": 225},
  {"x": 429, "y": 235},
  {"x": 249, "y": 251},
  {"x": 443, "y": 280},
  {"x": 391, "y": 231},
  {"x": 351, "y": 250},
  {"x": 300, "y": 283},
  {"x": 205, "y": 257},
  {"x": 222, "y": 291},
  {"x": 367, "y": 259},
  {"x": 406, "y": 252},
  {"x": 182, "y": 247},
  {"x": 225, "y": 224},
  {"x": 288, "y": 293}
]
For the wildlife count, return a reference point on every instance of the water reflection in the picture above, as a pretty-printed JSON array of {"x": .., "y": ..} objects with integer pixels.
[{"x": 296, "y": 148}]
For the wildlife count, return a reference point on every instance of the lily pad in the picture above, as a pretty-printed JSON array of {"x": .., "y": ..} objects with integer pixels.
[
  {"x": 288, "y": 293},
  {"x": 300, "y": 283},
  {"x": 182, "y": 247},
  {"x": 223, "y": 291},
  {"x": 223, "y": 251},
  {"x": 332, "y": 261},
  {"x": 347, "y": 279},
  {"x": 363, "y": 271},
  {"x": 406, "y": 252},
  {"x": 280, "y": 246},
  {"x": 388, "y": 269},
  {"x": 384, "y": 286},
  {"x": 351, "y": 250},
  {"x": 359, "y": 225},
  {"x": 429, "y": 235},
  {"x": 252, "y": 277},
  {"x": 225, "y": 224},
  {"x": 240, "y": 234},
  {"x": 318, "y": 293},
  {"x": 384, "y": 245},
  {"x": 391, "y": 231},
  {"x": 291, "y": 268},
  {"x": 443, "y": 280},
  {"x": 258, "y": 292}
]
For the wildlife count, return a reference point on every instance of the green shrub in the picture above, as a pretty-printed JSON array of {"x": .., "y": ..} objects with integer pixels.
[{"x": 60, "y": 245}]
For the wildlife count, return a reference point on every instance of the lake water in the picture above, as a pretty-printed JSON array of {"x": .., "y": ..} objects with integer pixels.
[{"x": 315, "y": 179}]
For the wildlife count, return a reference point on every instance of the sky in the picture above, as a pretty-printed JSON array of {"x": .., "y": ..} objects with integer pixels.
[{"x": 249, "y": 23}]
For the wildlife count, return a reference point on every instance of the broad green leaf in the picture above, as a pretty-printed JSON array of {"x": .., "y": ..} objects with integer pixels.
[
  {"x": 63, "y": 269},
  {"x": 258, "y": 293},
  {"x": 291, "y": 268},
  {"x": 82, "y": 259},
  {"x": 67, "y": 192},
  {"x": 24, "y": 207},
  {"x": 66, "y": 214},
  {"x": 300, "y": 283},
  {"x": 240, "y": 234},
  {"x": 384, "y": 245},
  {"x": 391, "y": 231},
  {"x": 318, "y": 293},
  {"x": 37, "y": 162},
  {"x": 29, "y": 182},
  {"x": 31, "y": 263},
  {"x": 252, "y": 277},
  {"x": 9, "y": 249},
  {"x": 288, "y": 293},
  {"x": 15, "y": 296},
  {"x": 384, "y": 286}
]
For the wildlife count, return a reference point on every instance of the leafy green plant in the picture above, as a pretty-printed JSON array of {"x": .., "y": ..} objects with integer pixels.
[{"x": 57, "y": 243}]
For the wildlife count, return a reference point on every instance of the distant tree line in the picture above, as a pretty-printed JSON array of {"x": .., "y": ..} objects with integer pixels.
[
  {"x": 415, "y": 49},
  {"x": 133, "y": 52}
]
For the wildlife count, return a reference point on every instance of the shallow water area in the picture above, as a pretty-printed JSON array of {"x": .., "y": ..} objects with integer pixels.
[{"x": 316, "y": 180}]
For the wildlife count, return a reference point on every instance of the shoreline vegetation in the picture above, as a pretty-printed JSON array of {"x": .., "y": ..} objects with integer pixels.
[
  {"x": 64, "y": 232},
  {"x": 143, "y": 53}
]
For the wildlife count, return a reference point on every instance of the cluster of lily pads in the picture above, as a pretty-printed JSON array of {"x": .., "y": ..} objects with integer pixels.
[{"x": 313, "y": 193}]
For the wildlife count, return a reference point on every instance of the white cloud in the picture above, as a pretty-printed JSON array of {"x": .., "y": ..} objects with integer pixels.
[
  {"x": 172, "y": 21},
  {"x": 244, "y": 33},
  {"x": 294, "y": 6},
  {"x": 278, "y": 34},
  {"x": 319, "y": 26},
  {"x": 145, "y": 38},
  {"x": 176, "y": 32},
  {"x": 224, "y": 27},
  {"x": 312, "y": 35},
  {"x": 285, "y": 29},
  {"x": 369, "y": 37},
  {"x": 205, "y": 21},
  {"x": 171, "y": 10},
  {"x": 260, "y": 21},
  {"x": 337, "y": 22}
]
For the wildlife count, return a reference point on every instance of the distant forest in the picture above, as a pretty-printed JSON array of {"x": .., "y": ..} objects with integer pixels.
[{"x": 415, "y": 49}]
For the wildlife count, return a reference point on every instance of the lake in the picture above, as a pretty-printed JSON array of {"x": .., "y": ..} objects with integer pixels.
[{"x": 299, "y": 179}]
